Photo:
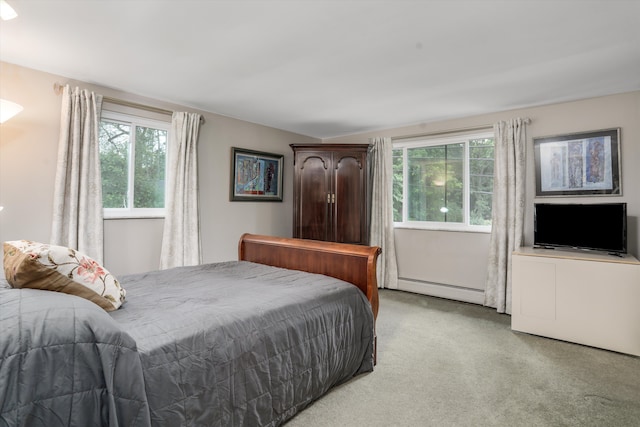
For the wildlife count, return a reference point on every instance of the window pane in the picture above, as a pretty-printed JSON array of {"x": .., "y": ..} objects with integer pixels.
[
  {"x": 436, "y": 183},
  {"x": 481, "y": 160},
  {"x": 149, "y": 172},
  {"x": 419, "y": 177},
  {"x": 398, "y": 181},
  {"x": 114, "y": 162},
  {"x": 454, "y": 185}
]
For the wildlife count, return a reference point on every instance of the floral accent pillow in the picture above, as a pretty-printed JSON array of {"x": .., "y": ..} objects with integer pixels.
[{"x": 36, "y": 265}]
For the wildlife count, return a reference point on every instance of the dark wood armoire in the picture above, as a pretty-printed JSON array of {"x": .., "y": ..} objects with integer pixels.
[{"x": 331, "y": 192}]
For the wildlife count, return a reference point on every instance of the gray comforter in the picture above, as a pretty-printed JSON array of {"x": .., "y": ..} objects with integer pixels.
[{"x": 229, "y": 344}]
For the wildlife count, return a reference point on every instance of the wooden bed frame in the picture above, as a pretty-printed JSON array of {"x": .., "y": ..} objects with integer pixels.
[{"x": 355, "y": 264}]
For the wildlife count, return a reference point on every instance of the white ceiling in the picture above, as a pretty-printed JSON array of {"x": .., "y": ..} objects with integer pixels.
[{"x": 330, "y": 68}]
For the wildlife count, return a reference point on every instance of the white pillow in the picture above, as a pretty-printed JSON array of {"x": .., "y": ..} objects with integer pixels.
[{"x": 36, "y": 265}]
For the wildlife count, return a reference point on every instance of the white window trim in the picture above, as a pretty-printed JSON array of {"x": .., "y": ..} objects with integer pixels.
[
  {"x": 427, "y": 142},
  {"x": 138, "y": 213},
  {"x": 122, "y": 213}
]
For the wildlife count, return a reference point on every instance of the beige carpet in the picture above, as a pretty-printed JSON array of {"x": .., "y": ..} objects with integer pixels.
[{"x": 446, "y": 363}]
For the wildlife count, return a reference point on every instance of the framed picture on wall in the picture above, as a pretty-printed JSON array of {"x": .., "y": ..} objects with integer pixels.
[
  {"x": 255, "y": 176},
  {"x": 578, "y": 164}
]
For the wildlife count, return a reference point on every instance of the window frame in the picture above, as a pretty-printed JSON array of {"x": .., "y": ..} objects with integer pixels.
[
  {"x": 427, "y": 141},
  {"x": 134, "y": 121}
]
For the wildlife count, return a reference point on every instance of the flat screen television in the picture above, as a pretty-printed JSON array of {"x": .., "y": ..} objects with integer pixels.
[{"x": 599, "y": 227}]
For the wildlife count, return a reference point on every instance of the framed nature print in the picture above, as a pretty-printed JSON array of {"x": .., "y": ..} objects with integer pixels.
[
  {"x": 578, "y": 164},
  {"x": 255, "y": 176}
]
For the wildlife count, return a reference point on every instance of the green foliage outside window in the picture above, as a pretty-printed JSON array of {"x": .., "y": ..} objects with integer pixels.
[
  {"x": 151, "y": 149},
  {"x": 436, "y": 182},
  {"x": 114, "y": 162},
  {"x": 148, "y": 174},
  {"x": 481, "y": 160},
  {"x": 398, "y": 182}
]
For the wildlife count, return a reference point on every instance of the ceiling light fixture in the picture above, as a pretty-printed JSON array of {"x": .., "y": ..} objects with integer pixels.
[
  {"x": 6, "y": 11},
  {"x": 8, "y": 109}
]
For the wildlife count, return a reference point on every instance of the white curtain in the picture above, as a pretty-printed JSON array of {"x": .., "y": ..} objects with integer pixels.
[
  {"x": 77, "y": 208},
  {"x": 181, "y": 236},
  {"x": 507, "y": 229},
  {"x": 382, "y": 212}
]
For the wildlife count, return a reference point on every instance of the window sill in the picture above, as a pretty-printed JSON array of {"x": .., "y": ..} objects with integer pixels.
[
  {"x": 112, "y": 218},
  {"x": 127, "y": 214},
  {"x": 468, "y": 229}
]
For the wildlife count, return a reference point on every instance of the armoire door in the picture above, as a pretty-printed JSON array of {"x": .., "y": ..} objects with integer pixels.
[
  {"x": 312, "y": 213},
  {"x": 349, "y": 199}
]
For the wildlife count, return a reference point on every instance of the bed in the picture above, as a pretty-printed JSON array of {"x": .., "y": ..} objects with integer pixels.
[{"x": 243, "y": 343}]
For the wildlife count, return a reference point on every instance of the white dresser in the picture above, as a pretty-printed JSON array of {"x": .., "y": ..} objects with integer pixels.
[{"x": 584, "y": 297}]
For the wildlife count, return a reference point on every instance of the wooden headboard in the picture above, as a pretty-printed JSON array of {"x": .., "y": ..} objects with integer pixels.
[{"x": 355, "y": 264}]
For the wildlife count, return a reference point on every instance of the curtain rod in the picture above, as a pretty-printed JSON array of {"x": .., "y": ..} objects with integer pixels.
[
  {"x": 135, "y": 105},
  {"x": 57, "y": 88},
  {"x": 444, "y": 132},
  {"x": 527, "y": 120}
]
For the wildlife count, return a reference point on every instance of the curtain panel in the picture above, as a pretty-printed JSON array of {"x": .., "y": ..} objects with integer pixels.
[
  {"x": 181, "y": 235},
  {"x": 77, "y": 210},
  {"x": 381, "y": 233},
  {"x": 507, "y": 229}
]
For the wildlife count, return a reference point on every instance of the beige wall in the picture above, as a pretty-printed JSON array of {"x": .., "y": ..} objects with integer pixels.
[
  {"x": 453, "y": 264},
  {"x": 28, "y": 151}
]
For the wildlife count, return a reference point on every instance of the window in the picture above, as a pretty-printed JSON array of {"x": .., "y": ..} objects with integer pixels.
[
  {"x": 133, "y": 158},
  {"x": 444, "y": 183}
]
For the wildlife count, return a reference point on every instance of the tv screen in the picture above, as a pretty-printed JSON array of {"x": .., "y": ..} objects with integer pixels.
[{"x": 601, "y": 227}]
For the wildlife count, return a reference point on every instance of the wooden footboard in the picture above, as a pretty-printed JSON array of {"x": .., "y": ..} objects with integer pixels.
[{"x": 352, "y": 263}]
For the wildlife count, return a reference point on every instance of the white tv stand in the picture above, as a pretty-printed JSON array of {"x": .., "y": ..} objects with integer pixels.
[{"x": 584, "y": 297}]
